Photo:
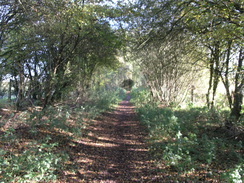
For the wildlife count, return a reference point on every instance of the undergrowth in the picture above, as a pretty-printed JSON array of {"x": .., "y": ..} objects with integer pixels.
[
  {"x": 40, "y": 149},
  {"x": 191, "y": 141}
]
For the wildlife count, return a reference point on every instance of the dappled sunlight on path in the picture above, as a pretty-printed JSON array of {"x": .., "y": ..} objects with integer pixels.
[{"x": 114, "y": 150}]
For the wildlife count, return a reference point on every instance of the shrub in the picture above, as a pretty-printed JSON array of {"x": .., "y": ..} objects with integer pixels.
[
  {"x": 141, "y": 96},
  {"x": 57, "y": 118},
  {"x": 38, "y": 155},
  {"x": 103, "y": 99},
  {"x": 38, "y": 163},
  {"x": 188, "y": 139},
  {"x": 158, "y": 120},
  {"x": 234, "y": 175}
]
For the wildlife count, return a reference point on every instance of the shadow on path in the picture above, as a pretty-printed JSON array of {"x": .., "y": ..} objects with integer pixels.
[{"x": 114, "y": 150}]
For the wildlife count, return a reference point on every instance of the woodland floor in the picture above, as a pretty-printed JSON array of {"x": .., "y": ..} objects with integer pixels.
[{"x": 115, "y": 150}]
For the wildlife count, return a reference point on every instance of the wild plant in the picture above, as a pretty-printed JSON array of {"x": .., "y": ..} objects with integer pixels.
[
  {"x": 188, "y": 139},
  {"x": 38, "y": 163}
]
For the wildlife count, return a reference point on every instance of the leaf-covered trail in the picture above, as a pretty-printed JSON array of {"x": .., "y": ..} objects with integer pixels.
[{"x": 115, "y": 149}]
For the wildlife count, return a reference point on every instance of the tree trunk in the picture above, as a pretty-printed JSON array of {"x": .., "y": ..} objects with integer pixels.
[
  {"x": 9, "y": 90},
  {"x": 214, "y": 74},
  {"x": 48, "y": 91},
  {"x": 210, "y": 82},
  {"x": 225, "y": 78},
  {"x": 20, "y": 95},
  {"x": 238, "y": 93}
]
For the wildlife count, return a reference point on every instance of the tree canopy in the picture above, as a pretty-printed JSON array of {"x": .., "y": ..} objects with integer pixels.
[
  {"x": 50, "y": 48},
  {"x": 66, "y": 64},
  {"x": 52, "y": 44},
  {"x": 175, "y": 41}
]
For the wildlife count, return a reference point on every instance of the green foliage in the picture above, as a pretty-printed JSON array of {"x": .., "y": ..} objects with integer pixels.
[
  {"x": 9, "y": 136},
  {"x": 4, "y": 103},
  {"x": 140, "y": 96},
  {"x": 234, "y": 175},
  {"x": 57, "y": 45},
  {"x": 56, "y": 118},
  {"x": 186, "y": 154},
  {"x": 103, "y": 99},
  {"x": 185, "y": 139},
  {"x": 185, "y": 150},
  {"x": 203, "y": 34},
  {"x": 42, "y": 157},
  {"x": 158, "y": 120},
  {"x": 37, "y": 163}
]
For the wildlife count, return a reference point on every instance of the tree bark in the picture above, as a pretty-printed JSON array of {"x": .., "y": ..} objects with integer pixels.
[
  {"x": 225, "y": 77},
  {"x": 210, "y": 85},
  {"x": 21, "y": 88},
  {"x": 238, "y": 93},
  {"x": 9, "y": 90},
  {"x": 214, "y": 75}
]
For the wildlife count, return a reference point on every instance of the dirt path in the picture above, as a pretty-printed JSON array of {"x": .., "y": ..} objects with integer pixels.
[{"x": 115, "y": 149}]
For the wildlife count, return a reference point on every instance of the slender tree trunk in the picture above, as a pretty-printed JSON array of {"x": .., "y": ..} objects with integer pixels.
[
  {"x": 225, "y": 77},
  {"x": 9, "y": 90},
  {"x": 210, "y": 82},
  {"x": 192, "y": 94},
  {"x": 215, "y": 86},
  {"x": 49, "y": 90},
  {"x": 238, "y": 93},
  {"x": 214, "y": 75},
  {"x": 20, "y": 95}
]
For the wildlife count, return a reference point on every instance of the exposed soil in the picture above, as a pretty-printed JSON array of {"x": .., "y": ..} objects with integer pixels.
[{"x": 115, "y": 150}]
